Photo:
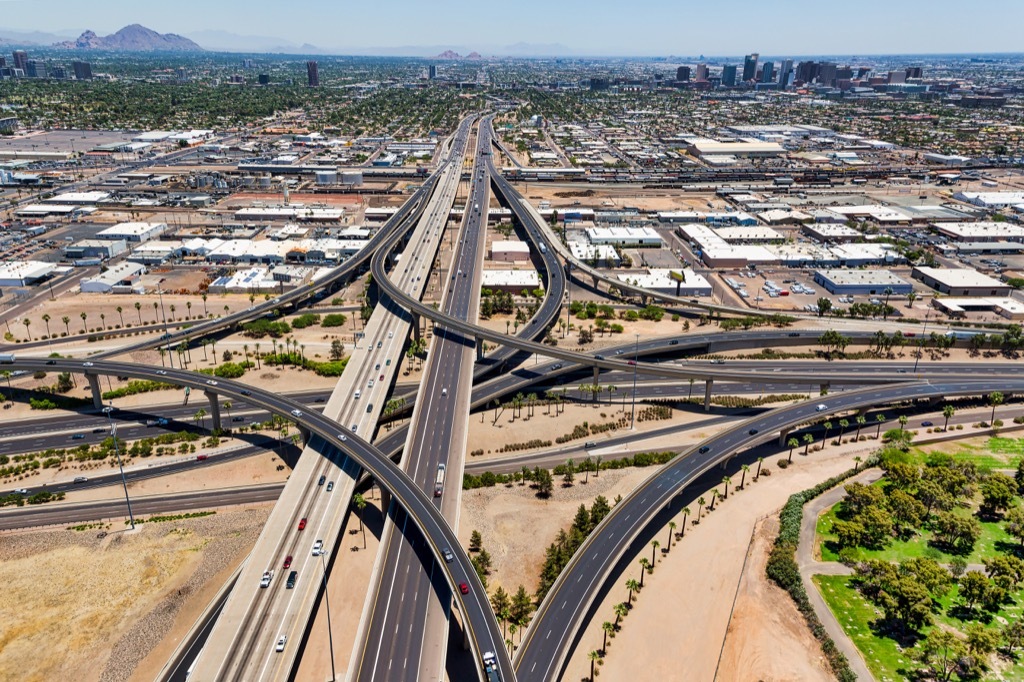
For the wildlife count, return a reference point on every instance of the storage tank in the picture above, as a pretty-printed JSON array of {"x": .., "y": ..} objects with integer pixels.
[
  {"x": 265, "y": 181},
  {"x": 248, "y": 181},
  {"x": 352, "y": 178},
  {"x": 326, "y": 177}
]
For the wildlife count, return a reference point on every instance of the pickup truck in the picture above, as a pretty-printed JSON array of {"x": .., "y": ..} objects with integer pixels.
[{"x": 267, "y": 577}]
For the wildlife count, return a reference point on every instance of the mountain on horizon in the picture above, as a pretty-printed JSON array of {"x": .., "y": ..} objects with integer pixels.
[{"x": 133, "y": 38}]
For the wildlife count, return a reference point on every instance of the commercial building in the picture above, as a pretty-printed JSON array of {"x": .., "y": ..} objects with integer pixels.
[
  {"x": 83, "y": 70},
  {"x": 22, "y": 273},
  {"x": 756, "y": 234},
  {"x": 78, "y": 198},
  {"x": 750, "y": 66},
  {"x": 992, "y": 200},
  {"x": 662, "y": 281},
  {"x": 123, "y": 278},
  {"x": 846, "y": 282},
  {"x": 636, "y": 237},
  {"x": 598, "y": 255},
  {"x": 512, "y": 281},
  {"x": 156, "y": 253},
  {"x": 133, "y": 232},
  {"x": 748, "y": 148},
  {"x": 247, "y": 281},
  {"x": 312, "y": 74},
  {"x": 961, "y": 282},
  {"x": 510, "y": 251},
  {"x": 981, "y": 231},
  {"x": 825, "y": 232},
  {"x": 95, "y": 248},
  {"x": 729, "y": 75},
  {"x": 883, "y": 215}
]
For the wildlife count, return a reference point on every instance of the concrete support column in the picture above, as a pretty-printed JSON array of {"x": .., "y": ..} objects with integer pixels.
[
  {"x": 214, "y": 409},
  {"x": 783, "y": 436},
  {"x": 97, "y": 394},
  {"x": 304, "y": 432},
  {"x": 416, "y": 327},
  {"x": 707, "y": 394},
  {"x": 479, "y": 349},
  {"x": 597, "y": 375},
  {"x": 862, "y": 411}
]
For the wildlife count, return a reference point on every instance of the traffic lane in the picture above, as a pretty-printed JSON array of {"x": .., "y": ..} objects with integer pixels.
[{"x": 603, "y": 547}]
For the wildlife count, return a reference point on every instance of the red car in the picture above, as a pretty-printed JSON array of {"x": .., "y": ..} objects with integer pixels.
[
  {"x": 381, "y": 377},
  {"x": 463, "y": 588},
  {"x": 302, "y": 524},
  {"x": 287, "y": 561}
]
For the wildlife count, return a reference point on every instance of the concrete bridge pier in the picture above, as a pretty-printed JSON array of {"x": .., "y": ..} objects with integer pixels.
[
  {"x": 214, "y": 409},
  {"x": 305, "y": 434},
  {"x": 708, "y": 384},
  {"x": 479, "y": 349},
  {"x": 97, "y": 394},
  {"x": 416, "y": 327},
  {"x": 597, "y": 375},
  {"x": 783, "y": 436}
]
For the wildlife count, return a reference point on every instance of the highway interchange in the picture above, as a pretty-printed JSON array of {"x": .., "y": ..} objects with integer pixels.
[{"x": 437, "y": 433}]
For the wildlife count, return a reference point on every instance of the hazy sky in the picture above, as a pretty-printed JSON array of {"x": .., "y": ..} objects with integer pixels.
[{"x": 592, "y": 27}]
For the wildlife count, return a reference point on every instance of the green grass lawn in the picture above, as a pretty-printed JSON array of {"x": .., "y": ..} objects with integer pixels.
[
  {"x": 883, "y": 656},
  {"x": 995, "y": 453}
]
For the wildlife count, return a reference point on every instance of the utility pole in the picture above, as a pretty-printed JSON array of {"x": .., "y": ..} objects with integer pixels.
[
  {"x": 117, "y": 452},
  {"x": 632, "y": 409},
  {"x": 330, "y": 636}
]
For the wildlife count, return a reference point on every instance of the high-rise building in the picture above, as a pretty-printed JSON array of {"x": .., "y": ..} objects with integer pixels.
[
  {"x": 915, "y": 72},
  {"x": 21, "y": 60},
  {"x": 599, "y": 83},
  {"x": 729, "y": 75},
  {"x": 702, "y": 72},
  {"x": 312, "y": 74},
  {"x": 786, "y": 73},
  {"x": 844, "y": 73},
  {"x": 863, "y": 71},
  {"x": 264, "y": 79},
  {"x": 806, "y": 71},
  {"x": 248, "y": 63},
  {"x": 683, "y": 74},
  {"x": 767, "y": 71},
  {"x": 897, "y": 77},
  {"x": 83, "y": 70},
  {"x": 3, "y": 62},
  {"x": 36, "y": 68},
  {"x": 750, "y": 67},
  {"x": 432, "y": 71},
  {"x": 58, "y": 73},
  {"x": 827, "y": 74}
]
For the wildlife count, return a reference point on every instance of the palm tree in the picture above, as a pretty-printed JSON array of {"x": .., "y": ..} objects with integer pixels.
[
  {"x": 911, "y": 297},
  {"x": 633, "y": 586},
  {"x": 671, "y": 532},
  {"x": 46, "y": 320},
  {"x": 880, "y": 419},
  {"x": 700, "y": 507},
  {"x": 621, "y": 611},
  {"x": 120, "y": 314},
  {"x": 173, "y": 308},
  {"x": 67, "y": 324},
  {"x": 28, "y": 323},
  {"x": 948, "y": 411},
  {"x": 645, "y": 567},
  {"x": 861, "y": 421},
  {"x": 828, "y": 427},
  {"x": 843, "y": 425},
  {"x": 594, "y": 656},
  {"x": 200, "y": 416},
  {"x": 188, "y": 313},
  {"x": 654, "y": 551},
  {"x": 726, "y": 481},
  {"x": 227, "y": 408},
  {"x": 84, "y": 316},
  {"x": 686, "y": 515},
  {"x": 808, "y": 439},
  {"x": 714, "y": 497},
  {"x": 245, "y": 350},
  {"x": 792, "y": 443},
  {"x": 103, "y": 321},
  {"x": 995, "y": 399},
  {"x": 138, "y": 309},
  {"x": 856, "y": 463},
  {"x": 903, "y": 421},
  {"x": 608, "y": 628},
  {"x": 360, "y": 503},
  {"x": 743, "y": 478},
  {"x": 156, "y": 317},
  {"x": 257, "y": 355},
  {"x": 205, "y": 312},
  {"x": 757, "y": 474}
]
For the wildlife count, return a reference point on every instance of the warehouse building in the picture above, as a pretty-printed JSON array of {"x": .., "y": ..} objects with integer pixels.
[
  {"x": 95, "y": 248},
  {"x": 21, "y": 273},
  {"x": 133, "y": 232},
  {"x": 662, "y": 281},
  {"x": 959, "y": 307},
  {"x": 991, "y": 200},
  {"x": 749, "y": 234},
  {"x": 510, "y": 251},
  {"x": 511, "y": 281},
  {"x": 598, "y": 255},
  {"x": 123, "y": 278},
  {"x": 156, "y": 253},
  {"x": 845, "y": 282},
  {"x": 961, "y": 282},
  {"x": 981, "y": 231},
  {"x": 748, "y": 148},
  {"x": 825, "y": 232},
  {"x": 636, "y": 237}
]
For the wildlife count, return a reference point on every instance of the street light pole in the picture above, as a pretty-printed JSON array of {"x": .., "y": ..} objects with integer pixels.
[
  {"x": 920, "y": 344},
  {"x": 568, "y": 291},
  {"x": 330, "y": 636},
  {"x": 117, "y": 452},
  {"x": 632, "y": 409}
]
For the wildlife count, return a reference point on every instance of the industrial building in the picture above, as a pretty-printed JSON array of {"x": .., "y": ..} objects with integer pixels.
[
  {"x": 661, "y": 280},
  {"x": 156, "y": 253},
  {"x": 95, "y": 248},
  {"x": 123, "y": 278},
  {"x": 512, "y": 281},
  {"x": 598, "y": 255},
  {"x": 958, "y": 307},
  {"x": 749, "y": 148},
  {"x": 510, "y": 251},
  {"x": 636, "y": 237},
  {"x": 846, "y": 282},
  {"x": 991, "y": 200},
  {"x": 21, "y": 273},
  {"x": 749, "y": 234},
  {"x": 133, "y": 232},
  {"x": 961, "y": 282},
  {"x": 981, "y": 231},
  {"x": 825, "y": 232}
]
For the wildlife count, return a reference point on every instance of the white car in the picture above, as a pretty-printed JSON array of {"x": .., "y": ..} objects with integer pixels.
[
  {"x": 211, "y": 382},
  {"x": 821, "y": 408},
  {"x": 21, "y": 491},
  {"x": 370, "y": 384},
  {"x": 318, "y": 548},
  {"x": 267, "y": 577},
  {"x": 391, "y": 335},
  {"x": 280, "y": 643},
  {"x": 87, "y": 364},
  {"x": 342, "y": 437},
  {"x": 297, "y": 413},
  {"x": 357, "y": 394},
  {"x": 161, "y": 372}
]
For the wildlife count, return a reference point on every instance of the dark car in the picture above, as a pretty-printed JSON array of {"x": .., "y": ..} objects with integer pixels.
[
  {"x": 752, "y": 432},
  {"x": 323, "y": 479},
  {"x": 244, "y": 392},
  {"x": 238, "y": 419},
  {"x": 292, "y": 577},
  {"x": 320, "y": 400},
  {"x": 926, "y": 424},
  {"x": 704, "y": 449},
  {"x": 78, "y": 436},
  {"x": 674, "y": 342},
  {"x": 287, "y": 561}
]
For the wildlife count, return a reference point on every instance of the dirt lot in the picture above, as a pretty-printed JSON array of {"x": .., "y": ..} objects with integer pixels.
[
  {"x": 608, "y": 197},
  {"x": 101, "y": 623}
]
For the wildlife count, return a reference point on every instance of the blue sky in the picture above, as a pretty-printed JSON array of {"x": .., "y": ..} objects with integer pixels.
[{"x": 590, "y": 27}]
